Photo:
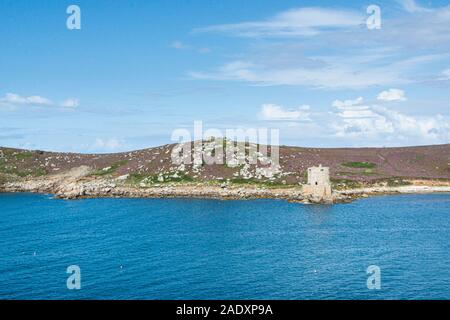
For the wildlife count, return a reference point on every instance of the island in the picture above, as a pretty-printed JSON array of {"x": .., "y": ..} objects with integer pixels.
[{"x": 305, "y": 175}]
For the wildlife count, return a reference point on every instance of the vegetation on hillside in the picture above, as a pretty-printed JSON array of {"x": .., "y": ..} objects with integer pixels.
[
  {"x": 155, "y": 165},
  {"x": 111, "y": 169},
  {"x": 360, "y": 165}
]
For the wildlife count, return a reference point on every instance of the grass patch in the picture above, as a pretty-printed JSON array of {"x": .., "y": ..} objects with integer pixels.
[
  {"x": 136, "y": 178},
  {"x": 182, "y": 178},
  {"x": 345, "y": 184},
  {"x": 9, "y": 168},
  {"x": 244, "y": 181},
  {"x": 268, "y": 184},
  {"x": 359, "y": 165},
  {"x": 24, "y": 155},
  {"x": 420, "y": 157},
  {"x": 39, "y": 172},
  {"x": 366, "y": 172},
  {"x": 16, "y": 172},
  {"x": 397, "y": 182},
  {"x": 369, "y": 172},
  {"x": 111, "y": 169}
]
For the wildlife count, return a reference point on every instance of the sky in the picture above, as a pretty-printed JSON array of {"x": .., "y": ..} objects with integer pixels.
[{"x": 322, "y": 72}]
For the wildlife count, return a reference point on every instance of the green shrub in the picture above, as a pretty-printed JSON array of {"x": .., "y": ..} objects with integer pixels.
[
  {"x": 345, "y": 184},
  {"x": 363, "y": 165}
]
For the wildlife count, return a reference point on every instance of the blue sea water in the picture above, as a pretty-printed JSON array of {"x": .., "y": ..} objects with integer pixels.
[{"x": 208, "y": 249}]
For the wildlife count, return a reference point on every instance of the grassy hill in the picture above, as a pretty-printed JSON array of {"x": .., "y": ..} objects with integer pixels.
[{"x": 154, "y": 165}]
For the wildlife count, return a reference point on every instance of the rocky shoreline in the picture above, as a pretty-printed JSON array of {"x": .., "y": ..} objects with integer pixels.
[{"x": 70, "y": 187}]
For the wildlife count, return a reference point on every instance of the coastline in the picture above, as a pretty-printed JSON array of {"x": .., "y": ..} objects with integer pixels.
[
  {"x": 72, "y": 190},
  {"x": 303, "y": 175}
]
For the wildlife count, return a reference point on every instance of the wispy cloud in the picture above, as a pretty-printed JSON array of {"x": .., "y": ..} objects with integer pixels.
[
  {"x": 412, "y": 6},
  {"x": 275, "y": 112},
  {"x": 330, "y": 75},
  {"x": 70, "y": 103},
  {"x": 445, "y": 75},
  {"x": 343, "y": 54},
  {"x": 294, "y": 22},
  {"x": 178, "y": 45},
  {"x": 392, "y": 95},
  {"x": 13, "y": 99}
]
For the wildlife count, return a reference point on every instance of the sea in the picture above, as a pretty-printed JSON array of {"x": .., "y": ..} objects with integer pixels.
[{"x": 383, "y": 247}]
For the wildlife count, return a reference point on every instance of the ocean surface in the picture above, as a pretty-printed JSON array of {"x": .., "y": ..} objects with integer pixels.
[{"x": 208, "y": 249}]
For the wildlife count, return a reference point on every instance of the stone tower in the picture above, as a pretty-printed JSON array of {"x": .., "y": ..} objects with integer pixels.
[
  {"x": 318, "y": 176},
  {"x": 318, "y": 188}
]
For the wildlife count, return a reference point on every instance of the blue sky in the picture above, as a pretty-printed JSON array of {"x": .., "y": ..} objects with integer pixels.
[{"x": 137, "y": 70}]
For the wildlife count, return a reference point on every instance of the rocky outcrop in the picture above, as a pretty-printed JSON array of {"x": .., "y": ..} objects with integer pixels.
[
  {"x": 109, "y": 189},
  {"x": 82, "y": 187}
]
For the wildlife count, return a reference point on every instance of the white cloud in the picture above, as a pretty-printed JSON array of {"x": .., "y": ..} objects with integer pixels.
[
  {"x": 359, "y": 120},
  {"x": 412, "y": 6},
  {"x": 332, "y": 75},
  {"x": 358, "y": 70},
  {"x": 294, "y": 22},
  {"x": 275, "y": 112},
  {"x": 431, "y": 128},
  {"x": 445, "y": 75},
  {"x": 108, "y": 144},
  {"x": 347, "y": 103},
  {"x": 69, "y": 103},
  {"x": 354, "y": 118},
  {"x": 392, "y": 56},
  {"x": 392, "y": 95},
  {"x": 13, "y": 99}
]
